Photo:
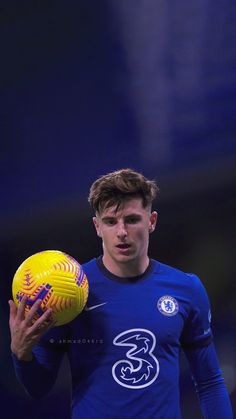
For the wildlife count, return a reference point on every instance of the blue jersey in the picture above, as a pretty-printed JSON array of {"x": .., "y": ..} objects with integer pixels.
[
  {"x": 129, "y": 338},
  {"x": 124, "y": 347}
]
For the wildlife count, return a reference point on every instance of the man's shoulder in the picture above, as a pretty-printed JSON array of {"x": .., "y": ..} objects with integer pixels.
[
  {"x": 177, "y": 274},
  {"x": 89, "y": 265},
  {"x": 165, "y": 268}
]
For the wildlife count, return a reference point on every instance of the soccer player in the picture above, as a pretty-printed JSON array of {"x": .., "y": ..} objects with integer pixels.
[{"x": 124, "y": 347}]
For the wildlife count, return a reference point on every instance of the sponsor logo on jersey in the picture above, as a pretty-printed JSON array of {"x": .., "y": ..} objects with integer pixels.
[
  {"x": 137, "y": 367},
  {"x": 168, "y": 305}
]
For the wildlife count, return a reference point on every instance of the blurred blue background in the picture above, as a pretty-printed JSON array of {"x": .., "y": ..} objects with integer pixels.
[{"x": 88, "y": 87}]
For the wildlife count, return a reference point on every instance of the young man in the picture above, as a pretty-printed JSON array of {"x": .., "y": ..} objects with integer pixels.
[{"x": 124, "y": 348}]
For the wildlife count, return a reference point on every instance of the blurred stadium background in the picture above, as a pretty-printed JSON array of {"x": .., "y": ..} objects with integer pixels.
[{"x": 88, "y": 87}]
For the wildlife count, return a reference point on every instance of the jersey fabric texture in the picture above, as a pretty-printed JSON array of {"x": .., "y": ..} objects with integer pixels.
[{"x": 124, "y": 347}]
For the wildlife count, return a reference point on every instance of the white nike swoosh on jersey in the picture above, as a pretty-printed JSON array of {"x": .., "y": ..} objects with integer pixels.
[{"x": 93, "y": 307}]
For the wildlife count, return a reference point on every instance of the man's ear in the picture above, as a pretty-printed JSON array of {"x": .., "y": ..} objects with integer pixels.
[
  {"x": 153, "y": 221},
  {"x": 96, "y": 225}
]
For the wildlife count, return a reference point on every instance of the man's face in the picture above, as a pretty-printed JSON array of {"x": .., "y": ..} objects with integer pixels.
[{"x": 125, "y": 233}]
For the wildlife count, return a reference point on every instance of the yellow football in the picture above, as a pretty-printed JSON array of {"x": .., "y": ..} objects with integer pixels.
[{"x": 57, "y": 279}]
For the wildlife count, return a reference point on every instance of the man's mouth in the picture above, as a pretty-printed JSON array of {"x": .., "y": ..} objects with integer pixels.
[{"x": 123, "y": 246}]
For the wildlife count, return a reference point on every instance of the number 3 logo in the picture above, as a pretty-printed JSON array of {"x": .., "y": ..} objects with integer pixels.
[{"x": 140, "y": 368}]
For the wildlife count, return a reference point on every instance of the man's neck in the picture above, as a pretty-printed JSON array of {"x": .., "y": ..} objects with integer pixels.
[{"x": 125, "y": 270}]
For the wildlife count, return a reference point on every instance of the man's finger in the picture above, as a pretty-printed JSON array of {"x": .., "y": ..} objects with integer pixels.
[
  {"x": 21, "y": 308},
  {"x": 13, "y": 310},
  {"x": 32, "y": 312},
  {"x": 45, "y": 322}
]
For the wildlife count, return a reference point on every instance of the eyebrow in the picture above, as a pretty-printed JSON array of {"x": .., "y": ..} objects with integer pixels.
[
  {"x": 135, "y": 215},
  {"x": 109, "y": 217}
]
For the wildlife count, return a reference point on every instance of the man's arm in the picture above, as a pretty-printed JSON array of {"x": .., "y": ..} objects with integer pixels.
[
  {"x": 209, "y": 383},
  {"x": 36, "y": 366}
]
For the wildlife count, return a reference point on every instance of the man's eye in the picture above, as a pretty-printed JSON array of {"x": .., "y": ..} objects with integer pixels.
[
  {"x": 132, "y": 220},
  {"x": 110, "y": 222}
]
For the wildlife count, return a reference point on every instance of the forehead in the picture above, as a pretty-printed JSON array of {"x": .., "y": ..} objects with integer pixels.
[{"x": 130, "y": 206}]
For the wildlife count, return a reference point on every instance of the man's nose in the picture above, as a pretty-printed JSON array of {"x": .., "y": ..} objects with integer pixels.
[{"x": 121, "y": 230}]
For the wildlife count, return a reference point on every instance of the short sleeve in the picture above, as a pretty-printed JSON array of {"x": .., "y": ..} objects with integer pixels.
[{"x": 197, "y": 330}]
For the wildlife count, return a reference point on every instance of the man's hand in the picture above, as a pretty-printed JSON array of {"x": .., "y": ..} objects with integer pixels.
[{"x": 24, "y": 333}]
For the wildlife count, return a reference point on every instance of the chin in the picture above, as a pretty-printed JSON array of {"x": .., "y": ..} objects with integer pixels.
[{"x": 125, "y": 258}]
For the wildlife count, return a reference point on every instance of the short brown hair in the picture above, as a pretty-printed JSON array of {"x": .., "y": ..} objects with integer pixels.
[{"x": 120, "y": 185}]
